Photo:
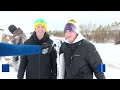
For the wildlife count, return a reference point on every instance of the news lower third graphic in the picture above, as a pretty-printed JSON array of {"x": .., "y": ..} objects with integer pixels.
[
  {"x": 5, "y": 67},
  {"x": 101, "y": 68}
]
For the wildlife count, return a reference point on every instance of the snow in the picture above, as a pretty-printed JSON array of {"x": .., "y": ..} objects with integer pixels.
[
  {"x": 108, "y": 52},
  {"x": 7, "y": 75},
  {"x": 111, "y": 58}
]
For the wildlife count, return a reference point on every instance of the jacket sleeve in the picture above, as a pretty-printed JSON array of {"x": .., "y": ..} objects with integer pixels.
[
  {"x": 16, "y": 39},
  {"x": 22, "y": 67},
  {"x": 94, "y": 60},
  {"x": 53, "y": 55}
]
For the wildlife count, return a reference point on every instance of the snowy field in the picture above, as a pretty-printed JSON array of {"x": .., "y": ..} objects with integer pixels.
[
  {"x": 110, "y": 55},
  {"x": 108, "y": 52}
]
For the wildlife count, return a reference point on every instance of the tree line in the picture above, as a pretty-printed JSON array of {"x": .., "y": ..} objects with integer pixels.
[{"x": 100, "y": 34}]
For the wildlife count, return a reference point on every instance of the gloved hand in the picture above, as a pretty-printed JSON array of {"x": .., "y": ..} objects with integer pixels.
[{"x": 46, "y": 49}]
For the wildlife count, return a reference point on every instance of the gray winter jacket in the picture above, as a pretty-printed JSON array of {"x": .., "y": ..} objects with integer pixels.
[
  {"x": 81, "y": 60},
  {"x": 18, "y": 37}
]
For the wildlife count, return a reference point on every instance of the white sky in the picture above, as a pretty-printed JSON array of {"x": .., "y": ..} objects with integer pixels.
[{"x": 56, "y": 20}]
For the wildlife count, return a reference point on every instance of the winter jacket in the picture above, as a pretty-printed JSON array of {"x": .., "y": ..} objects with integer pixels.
[
  {"x": 39, "y": 66},
  {"x": 81, "y": 60}
]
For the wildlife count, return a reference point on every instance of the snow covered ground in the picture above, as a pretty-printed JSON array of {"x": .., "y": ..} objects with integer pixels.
[
  {"x": 7, "y": 75},
  {"x": 110, "y": 55},
  {"x": 108, "y": 52}
]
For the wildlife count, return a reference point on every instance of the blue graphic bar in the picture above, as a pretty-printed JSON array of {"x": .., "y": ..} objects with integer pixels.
[
  {"x": 101, "y": 68},
  {"x": 5, "y": 68}
]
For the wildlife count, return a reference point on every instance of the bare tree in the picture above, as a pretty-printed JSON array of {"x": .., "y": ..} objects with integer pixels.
[{"x": 85, "y": 30}]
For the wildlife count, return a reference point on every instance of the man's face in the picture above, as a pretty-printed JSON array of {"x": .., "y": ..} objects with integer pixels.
[
  {"x": 70, "y": 35},
  {"x": 40, "y": 30}
]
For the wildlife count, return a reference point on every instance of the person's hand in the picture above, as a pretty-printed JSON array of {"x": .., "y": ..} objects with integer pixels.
[{"x": 46, "y": 49}]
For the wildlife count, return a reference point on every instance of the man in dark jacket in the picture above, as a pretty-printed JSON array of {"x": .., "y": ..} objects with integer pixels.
[
  {"x": 81, "y": 56},
  {"x": 39, "y": 66},
  {"x": 18, "y": 38}
]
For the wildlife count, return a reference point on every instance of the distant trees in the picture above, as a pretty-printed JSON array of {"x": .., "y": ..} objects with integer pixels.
[
  {"x": 100, "y": 34},
  {"x": 56, "y": 33}
]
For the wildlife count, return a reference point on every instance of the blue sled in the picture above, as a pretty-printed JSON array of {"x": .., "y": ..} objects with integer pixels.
[{"x": 18, "y": 50}]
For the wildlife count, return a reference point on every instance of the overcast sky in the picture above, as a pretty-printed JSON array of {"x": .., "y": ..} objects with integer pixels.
[{"x": 56, "y": 20}]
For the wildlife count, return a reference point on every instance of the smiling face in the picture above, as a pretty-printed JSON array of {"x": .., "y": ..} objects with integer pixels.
[
  {"x": 70, "y": 35},
  {"x": 40, "y": 30}
]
